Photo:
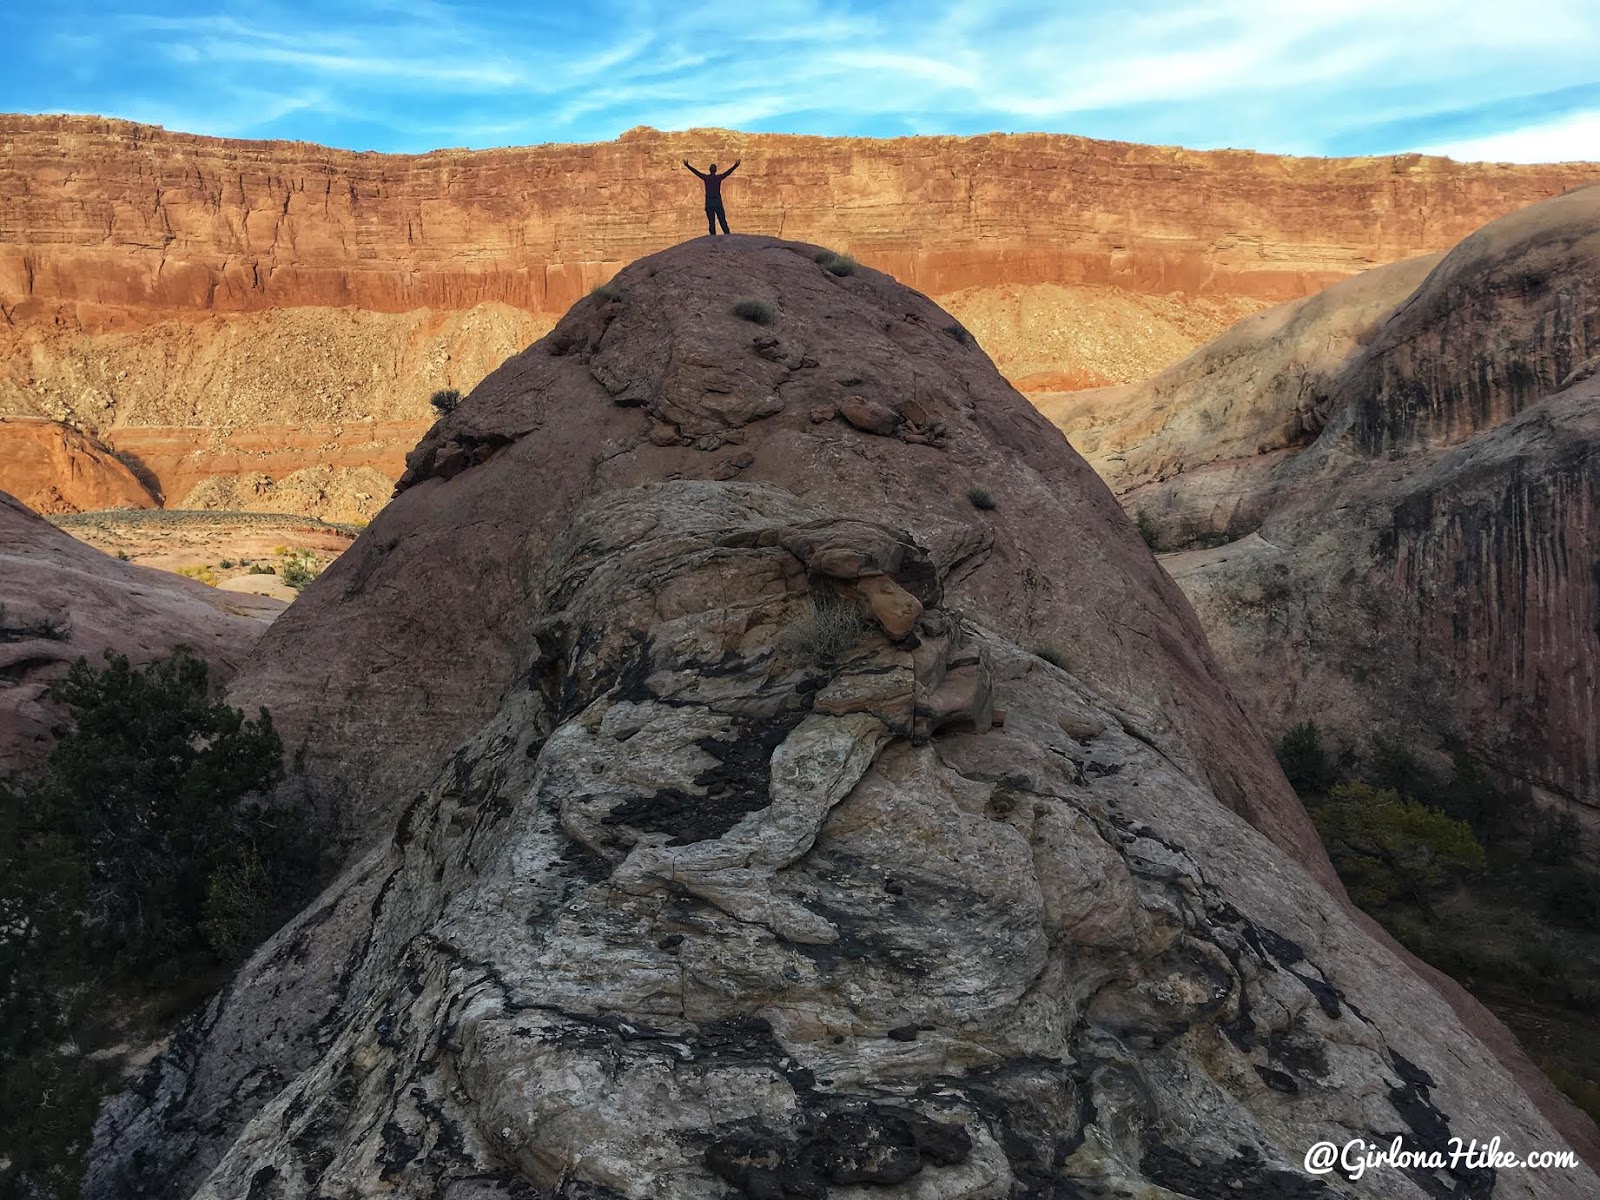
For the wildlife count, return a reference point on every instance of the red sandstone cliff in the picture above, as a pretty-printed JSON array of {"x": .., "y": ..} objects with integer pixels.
[
  {"x": 96, "y": 212},
  {"x": 205, "y": 290}
]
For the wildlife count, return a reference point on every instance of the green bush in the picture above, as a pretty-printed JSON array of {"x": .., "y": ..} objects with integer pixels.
[
  {"x": 297, "y": 567},
  {"x": 1055, "y": 654},
  {"x": 1147, "y": 529},
  {"x": 135, "y": 858},
  {"x": 829, "y": 630},
  {"x": 1310, "y": 769},
  {"x": 959, "y": 332},
  {"x": 445, "y": 401},
  {"x": 605, "y": 293},
  {"x": 838, "y": 264},
  {"x": 980, "y": 497},
  {"x": 1388, "y": 849},
  {"x": 752, "y": 308},
  {"x": 1572, "y": 897}
]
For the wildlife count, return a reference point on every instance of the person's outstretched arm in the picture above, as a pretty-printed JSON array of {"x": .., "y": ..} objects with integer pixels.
[
  {"x": 686, "y": 163},
  {"x": 731, "y": 169}
]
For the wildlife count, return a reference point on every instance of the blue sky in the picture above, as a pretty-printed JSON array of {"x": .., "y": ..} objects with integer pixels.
[{"x": 1493, "y": 79}]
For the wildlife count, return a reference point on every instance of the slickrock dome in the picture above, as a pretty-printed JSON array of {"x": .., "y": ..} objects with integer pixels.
[
  {"x": 861, "y": 395},
  {"x": 732, "y": 839}
]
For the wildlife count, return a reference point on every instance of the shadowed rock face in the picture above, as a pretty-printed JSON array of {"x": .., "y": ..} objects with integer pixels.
[
  {"x": 861, "y": 395},
  {"x": 61, "y": 600},
  {"x": 1420, "y": 555},
  {"x": 707, "y": 907}
]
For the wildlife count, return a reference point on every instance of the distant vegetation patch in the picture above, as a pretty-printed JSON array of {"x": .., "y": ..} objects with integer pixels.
[
  {"x": 980, "y": 497},
  {"x": 445, "y": 401},
  {"x": 752, "y": 308},
  {"x": 830, "y": 630},
  {"x": 296, "y": 567},
  {"x": 838, "y": 264},
  {"x": 1055, "y": 654},
  {"x": 1477, "y": 881},
  {"x": 206, "y": 574},
  {"x": 136, "y": 870},
  {"x": 1146, "y": 525}
]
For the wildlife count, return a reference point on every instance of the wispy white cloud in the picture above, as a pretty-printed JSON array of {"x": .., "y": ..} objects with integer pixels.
[
  {"x": 1348, "y": 76},
  {"x": 1574, "y": 138}
]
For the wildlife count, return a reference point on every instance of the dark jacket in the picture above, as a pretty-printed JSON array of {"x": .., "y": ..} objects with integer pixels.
[{"x": 713, "y": 181}]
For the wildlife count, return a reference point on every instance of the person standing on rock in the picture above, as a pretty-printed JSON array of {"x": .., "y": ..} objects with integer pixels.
[{"x": 713, "y": 182}]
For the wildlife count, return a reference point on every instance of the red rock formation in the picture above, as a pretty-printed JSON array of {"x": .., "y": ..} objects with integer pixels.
[
  {"x": 119, "y": 221},
  {"x": 860, "y": 394},
  {"x": 53, "y": 468},
  {"x": 1415, "y": 456},
  {"x": 145, "y": 275},
  {"x": 642, "y": 822},
  {"x": 61, "y": 600}
]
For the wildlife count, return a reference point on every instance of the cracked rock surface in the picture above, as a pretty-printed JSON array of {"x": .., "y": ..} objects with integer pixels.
[{"x": 705, "y": 909}]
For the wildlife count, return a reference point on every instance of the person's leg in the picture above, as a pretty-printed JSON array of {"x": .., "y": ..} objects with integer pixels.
[
  {"x": 722, "y": 216},
  {"x": 711, "y": 221}
]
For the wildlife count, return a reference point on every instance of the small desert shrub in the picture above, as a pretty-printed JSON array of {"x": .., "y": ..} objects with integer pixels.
[
  {"x": 958, "y": 331},
  {"x": 1388, "y": 848},
  {"x": 203, "y": 574},
  {"x": 838, "y": 264},
  {"x": 259, "y": 569},
  {"x": 1147, "y": 529},
  {"x": 1306, "y": 763},
  {"x": 980, "y": 497},
  {"x": 297, "y": 567},
  {"x": 226, "y": 564},
  {"x": 754, "y": 309},
  {"x": 1055, "y": 654},
  {"x": 605, "y": 293},
  {"x": 1585, "y": 1093},
  {"x": 445, "y": 401},
  {"x": 830, "y": 629}
]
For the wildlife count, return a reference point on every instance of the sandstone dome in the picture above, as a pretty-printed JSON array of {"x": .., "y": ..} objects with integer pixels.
[{"x": 654, "y": 892}]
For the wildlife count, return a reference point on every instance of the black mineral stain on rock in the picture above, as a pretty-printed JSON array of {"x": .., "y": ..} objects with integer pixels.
[
  {"x": 1038, "y": 1110},
  {"x": 904, "y": 1033},
  {"x": 1246, "y": 1174},
  {"x": 1278, "y": 1081},
  {"x": 1324, "y": 992},
  {"x": 874, "y": 1144},
  {"x": 1430, "y": 1130},
  {"x": 264, "y": 1185},
  {"x": 738, "y": 784}
]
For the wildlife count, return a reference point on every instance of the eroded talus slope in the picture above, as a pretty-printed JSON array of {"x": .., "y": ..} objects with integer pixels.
[
  {"x": 697, "y": 911},
  {"x": 61, "y": 600},
  {"x": 1423, "y": 518}
]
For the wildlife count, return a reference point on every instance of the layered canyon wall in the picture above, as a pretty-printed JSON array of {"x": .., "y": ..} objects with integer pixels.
[{"x": 188, "y": 285}]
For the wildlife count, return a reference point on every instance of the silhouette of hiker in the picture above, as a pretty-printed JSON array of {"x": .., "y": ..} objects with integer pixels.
[{"x": 713, "y": 182}]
